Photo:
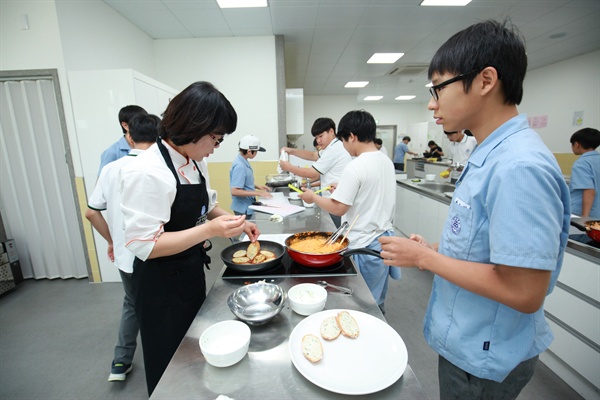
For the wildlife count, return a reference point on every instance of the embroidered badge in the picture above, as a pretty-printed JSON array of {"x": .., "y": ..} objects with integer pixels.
[{"x": 455, "y": 225}]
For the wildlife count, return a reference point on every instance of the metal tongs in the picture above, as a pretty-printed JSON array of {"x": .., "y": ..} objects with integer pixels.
[{"x": 335, "y": 235}]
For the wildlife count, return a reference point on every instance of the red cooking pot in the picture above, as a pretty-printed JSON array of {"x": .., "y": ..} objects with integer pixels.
[
  {"x": 590, "y": 228},
  {"x": 317, "y": 260}
]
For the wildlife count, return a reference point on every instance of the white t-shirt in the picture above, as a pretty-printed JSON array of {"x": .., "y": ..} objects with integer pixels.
[
  {"x": 461, "y": 151},
  {"x": 331, "y": 164},
  {"x": 106, "y": 196},
  {"x": 368, "y": 186},
  {"x": 148, "y": 190}
]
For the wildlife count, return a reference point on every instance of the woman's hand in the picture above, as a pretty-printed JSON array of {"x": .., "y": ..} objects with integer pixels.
[
  {"x": 251, "y": 230},
  {"x": 227, "y": 226}
]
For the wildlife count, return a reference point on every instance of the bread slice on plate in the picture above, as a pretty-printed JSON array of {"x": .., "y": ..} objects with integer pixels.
[
  {"x": 312, "y": 348},
  {"x": 253, "y": 250},
  {"x": 330, "y": 329},
  {"x": 347, "y": 324}
]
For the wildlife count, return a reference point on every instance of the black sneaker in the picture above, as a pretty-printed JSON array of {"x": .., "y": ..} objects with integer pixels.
[{"x": 119, "y": 371}]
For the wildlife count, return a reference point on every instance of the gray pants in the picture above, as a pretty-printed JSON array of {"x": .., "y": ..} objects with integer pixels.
[
  {"x": 128, "y": 331},
  {"x": 458, "y": 384}
]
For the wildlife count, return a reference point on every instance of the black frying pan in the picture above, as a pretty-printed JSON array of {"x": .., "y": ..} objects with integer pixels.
[{"x": 276, "y": 248}]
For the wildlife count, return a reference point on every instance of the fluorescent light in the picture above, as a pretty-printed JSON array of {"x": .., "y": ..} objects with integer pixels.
[
  {"x": 445, "y": 2},
  {"x": 356, "y": 84},
  {"x": 405, "y": 97},
  {"x": 384, "y": 58},
  {"x": 241, "y": 3},
  {"x": 373, "y": 98}
]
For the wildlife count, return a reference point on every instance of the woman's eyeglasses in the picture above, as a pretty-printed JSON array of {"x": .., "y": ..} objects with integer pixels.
[{"x": 217, "y": 141}]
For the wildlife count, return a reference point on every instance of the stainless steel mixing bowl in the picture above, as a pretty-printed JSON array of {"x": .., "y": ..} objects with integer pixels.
[{"x": 257, "y": 303}]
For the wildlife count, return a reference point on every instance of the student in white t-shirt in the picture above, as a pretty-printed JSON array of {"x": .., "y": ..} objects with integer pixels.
[
  {"x": 363, "y": 193},
  {"x": 329, "y": 162}
]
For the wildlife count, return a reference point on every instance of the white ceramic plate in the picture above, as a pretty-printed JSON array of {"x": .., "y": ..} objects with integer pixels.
[{"x": 367, "y": 364}]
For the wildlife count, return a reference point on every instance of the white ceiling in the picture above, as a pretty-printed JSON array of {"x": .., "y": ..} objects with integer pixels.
[{"x": 327, "y": 42}]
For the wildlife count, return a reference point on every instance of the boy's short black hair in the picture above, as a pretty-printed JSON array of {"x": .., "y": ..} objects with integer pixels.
[
  {"x": 199, "y": 110},
  {"x": 321, "y": 125},
  {"x": 378, "y": 141},
  {"x": 143, "y": 128},
  {"x": 406, "y": 138},
  {"x": 485, "y": 44},
  {"x": 588, "y": 138},
  {"x": 127, "y": 112},
  {"x": 360, "y": 123}
]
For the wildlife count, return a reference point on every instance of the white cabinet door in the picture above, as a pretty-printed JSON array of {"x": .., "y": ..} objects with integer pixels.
[
  {"x": 428, "y": 218},
  {"x": 411, "y": 212}
]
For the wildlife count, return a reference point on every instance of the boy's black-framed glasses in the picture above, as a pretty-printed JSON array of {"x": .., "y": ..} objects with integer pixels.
[{"x": 434, "y": 90}]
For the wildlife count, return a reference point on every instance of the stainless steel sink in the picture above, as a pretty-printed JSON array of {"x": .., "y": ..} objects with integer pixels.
[{"x": 437, "y": 187}]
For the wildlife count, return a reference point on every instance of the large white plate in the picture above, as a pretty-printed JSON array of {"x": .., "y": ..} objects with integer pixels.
[{"x": 367, "y": 364}]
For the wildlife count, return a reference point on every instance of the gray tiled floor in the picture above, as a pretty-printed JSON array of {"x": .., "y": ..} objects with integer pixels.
[{"x": 57, "y": 339}]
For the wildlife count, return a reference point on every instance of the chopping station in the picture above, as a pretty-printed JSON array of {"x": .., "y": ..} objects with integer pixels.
[{"x": 268, "y": 370}]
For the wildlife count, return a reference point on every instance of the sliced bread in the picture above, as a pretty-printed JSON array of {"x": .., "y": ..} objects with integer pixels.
[
  {"x": 239, "y": 253},
  {"x": 253, "y": 250},
  {"x": 330, "y": 329},
  {"x": 347, "y": 324},
  {"x": 312, "y": 348}
]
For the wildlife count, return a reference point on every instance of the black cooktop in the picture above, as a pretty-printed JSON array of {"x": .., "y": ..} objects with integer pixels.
[
  {"x": 290, "y": 268},
  {"x": 585, "y": 239}
]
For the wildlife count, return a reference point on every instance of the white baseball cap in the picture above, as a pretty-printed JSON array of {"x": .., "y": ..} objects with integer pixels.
[{"x": 250, "y": 142}]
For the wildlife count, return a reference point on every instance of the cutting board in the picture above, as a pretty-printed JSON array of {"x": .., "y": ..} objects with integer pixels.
[{"x": 281, "y": 206}]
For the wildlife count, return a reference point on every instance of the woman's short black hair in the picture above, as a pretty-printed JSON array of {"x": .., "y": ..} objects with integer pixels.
[
  {"x": 588, "y": 138},
  {"x": 486, "y": 44},
  {"x": 360, "y": 123},
  {"x": 198, "y": 110}
]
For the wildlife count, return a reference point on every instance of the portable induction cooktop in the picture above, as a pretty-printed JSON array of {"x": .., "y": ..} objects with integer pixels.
[{"x": 290, "y": 268}]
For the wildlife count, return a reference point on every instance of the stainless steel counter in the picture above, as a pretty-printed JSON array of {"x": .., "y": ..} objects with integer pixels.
[{"x": 267, "y": 371}]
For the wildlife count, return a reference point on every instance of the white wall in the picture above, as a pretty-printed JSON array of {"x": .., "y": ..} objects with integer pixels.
[
  {"x": 243, "y": 69},
  {"x": 559, "y": 90}
]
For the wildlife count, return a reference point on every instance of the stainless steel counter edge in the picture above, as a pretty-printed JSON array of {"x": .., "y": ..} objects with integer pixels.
[{"x": 573, "y": 247}]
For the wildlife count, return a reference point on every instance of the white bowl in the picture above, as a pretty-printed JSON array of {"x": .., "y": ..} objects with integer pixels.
[
  {"x": 294, "y": 195},
  {"x": 305, "y": 204},
  {"x": 225, "y": 343},
  {"x": 430, "y": 177},
  {"x": 307, "y": 298}
]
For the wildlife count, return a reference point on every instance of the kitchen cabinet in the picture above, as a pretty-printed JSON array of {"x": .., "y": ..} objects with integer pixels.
[
  {"x": 97, "y": 97},
  {"x": 419, "y": 213}
]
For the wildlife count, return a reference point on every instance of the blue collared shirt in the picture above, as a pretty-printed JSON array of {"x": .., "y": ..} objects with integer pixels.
[
  {"x": 399, "y": 152},
  {"x": 585, "y": 175},
  {"x": 118, "y": 149},
  {"x": 511, "y": 207},
  {"x": 241, "y": 176}
]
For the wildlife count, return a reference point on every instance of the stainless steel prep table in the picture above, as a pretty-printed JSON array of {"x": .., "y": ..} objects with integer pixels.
[{"x": 267, "y": 371}]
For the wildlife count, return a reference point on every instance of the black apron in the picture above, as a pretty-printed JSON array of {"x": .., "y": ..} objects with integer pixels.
[{"x": 170, "y": 290}]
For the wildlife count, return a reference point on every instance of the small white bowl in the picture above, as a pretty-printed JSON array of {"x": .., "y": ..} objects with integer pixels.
[
  {"x": 430, "y": 177},
  {"x": 225, "y": 343},
  {"x": 305, "y": 204},
  {"x": 307, "y": 298},
  {"x": 294, "y": 195}
]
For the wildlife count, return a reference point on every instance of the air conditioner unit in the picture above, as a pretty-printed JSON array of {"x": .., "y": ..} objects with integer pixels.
[{"x": 409, "y": 70}]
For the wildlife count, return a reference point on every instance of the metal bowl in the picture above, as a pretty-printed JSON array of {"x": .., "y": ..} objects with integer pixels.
[{"x": 257, "y": 303}]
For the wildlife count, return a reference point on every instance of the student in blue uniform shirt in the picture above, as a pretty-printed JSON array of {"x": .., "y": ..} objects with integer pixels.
[
  {"x": 585, "y": 175},
  {"x": 485, "y": 316},
  {"x": 241, "y": 177},
  {"x": 121, "y": 147}
]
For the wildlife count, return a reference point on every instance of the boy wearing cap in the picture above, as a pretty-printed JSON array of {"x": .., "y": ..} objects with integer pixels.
[{"x": 241, "y": 177}]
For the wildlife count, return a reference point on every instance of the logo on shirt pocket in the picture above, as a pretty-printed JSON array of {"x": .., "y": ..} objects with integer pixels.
[{"x": 455, "y": 225}]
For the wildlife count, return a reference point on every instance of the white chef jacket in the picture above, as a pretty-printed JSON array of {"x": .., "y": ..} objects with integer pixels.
[{"x": 148, "y": 189}]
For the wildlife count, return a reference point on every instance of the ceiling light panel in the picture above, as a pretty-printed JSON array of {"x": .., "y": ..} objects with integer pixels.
[
  {"x": 241, "y": 3},
  {"x": 356, "y": 84},
  {"x": 373, "y": 98},
  {"x": 384, "y": 58},
  {"x": 444, "y": 3},
  {"x": 405, "y": 97}
]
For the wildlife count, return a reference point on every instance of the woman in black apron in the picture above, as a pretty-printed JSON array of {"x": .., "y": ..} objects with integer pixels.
[{"x": 169, "y": 284}]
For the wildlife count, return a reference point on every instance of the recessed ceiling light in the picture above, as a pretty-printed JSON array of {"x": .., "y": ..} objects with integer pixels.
[
  {"x": 241, "y": 3},
  {"x": 384, "y": 58},
  {"x": 356, "y": 84},
  {"x": 558, "y": 35},
  {"x": 373, "y": 98},
  {"x": 405, "y": 97},
  {"x": 430, "y": 84},
  {"x": 445, "y": 2}
]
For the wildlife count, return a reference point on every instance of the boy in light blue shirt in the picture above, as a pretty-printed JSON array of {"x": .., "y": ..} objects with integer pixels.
[
  {"x": 507, "y": 228},
  {"x": 585, "y": 175}
]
